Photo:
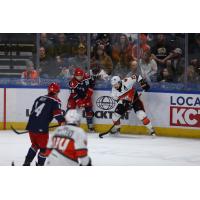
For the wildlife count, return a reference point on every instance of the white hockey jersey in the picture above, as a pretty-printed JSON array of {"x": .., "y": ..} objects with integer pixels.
[
  {"x": 127, "y": 90},
  {"x": 68, "y": 146}
]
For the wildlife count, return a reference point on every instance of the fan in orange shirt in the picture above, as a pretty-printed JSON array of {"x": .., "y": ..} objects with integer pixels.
[{"x": 30, "y": 72}]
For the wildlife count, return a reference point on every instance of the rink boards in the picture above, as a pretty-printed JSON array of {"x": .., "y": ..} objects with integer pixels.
[{"x": 172, "y": 114}]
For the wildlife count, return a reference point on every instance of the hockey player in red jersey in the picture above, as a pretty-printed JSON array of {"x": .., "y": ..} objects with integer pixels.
[
  {"x": 124, "y": 93},
  {"x": 81, "y": 87},
  {"x": 44, "y": 109},
  {"x": 68, "y": 144}
]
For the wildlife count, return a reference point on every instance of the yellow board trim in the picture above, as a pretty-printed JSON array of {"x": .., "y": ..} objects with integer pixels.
[{"x": 172, "y": 132}]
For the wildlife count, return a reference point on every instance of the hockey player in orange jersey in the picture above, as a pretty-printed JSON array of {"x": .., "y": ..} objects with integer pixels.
[
  {"x": 68, "y": 144},
  {"x": 124, "y": 93}
]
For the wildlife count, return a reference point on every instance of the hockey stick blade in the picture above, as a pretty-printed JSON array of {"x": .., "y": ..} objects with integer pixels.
[
  {"x": 105, "y": 133},
  {"x": 17, "y": 132}
]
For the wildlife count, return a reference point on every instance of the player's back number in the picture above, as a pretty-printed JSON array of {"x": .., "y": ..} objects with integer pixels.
[{"x": 39, "y": 109}]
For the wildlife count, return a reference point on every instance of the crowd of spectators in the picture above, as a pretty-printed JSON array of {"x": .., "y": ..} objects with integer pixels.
[{"x": 157, "y": 57}]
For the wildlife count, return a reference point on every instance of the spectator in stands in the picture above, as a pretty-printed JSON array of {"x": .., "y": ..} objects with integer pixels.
[
  {"x": 196, "y": 63},
  {"x": 177, "y": 64},
  {"x": 165, "y": 75},
  {"x": 134, "y": 68},
  {"x": 80, "y": 60},
  {"x": 192, "y": 76},
  {"x": 103, "y": 59},
  {"x": 47, "y": 44},
  {"x": 143, "y": 46},
  {"x": 48, "y": 68},
  {"x": 61, "y": 64},
  {"x": 97, "y": 71},
  {"x": 30, "y": 75},
  {"x": 104, "y": 39},
  {"x": 62, "y": 47},
  {"x": 82, "y": 38},
  {"x": 148, "y": 66},
  {"x": 194, "y": 48},
  {"x": 122, "y": 55},
  {"x": 132, "y": 37},
  {"x": 161, "y": 51}
]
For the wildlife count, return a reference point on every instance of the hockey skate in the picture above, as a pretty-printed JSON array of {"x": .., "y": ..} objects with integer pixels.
[
  {"x": 26, "y": 164},
  {"x": 115, "y": 132},
  {"x": 91, "y": 130},
  {"x": 152, "y": 132}
]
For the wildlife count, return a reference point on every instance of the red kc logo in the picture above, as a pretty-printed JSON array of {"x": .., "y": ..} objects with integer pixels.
[{"x": 185, "y": 116}]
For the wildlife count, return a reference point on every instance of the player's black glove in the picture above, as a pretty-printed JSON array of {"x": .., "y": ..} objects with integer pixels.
[
  {"x": 145, "y": 86},
  {"x": 126, "y": 104}
]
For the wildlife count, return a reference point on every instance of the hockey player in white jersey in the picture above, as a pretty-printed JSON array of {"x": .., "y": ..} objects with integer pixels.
[
  {"x": 124, "y": 93},
  {"x": 68, "y": 144}
]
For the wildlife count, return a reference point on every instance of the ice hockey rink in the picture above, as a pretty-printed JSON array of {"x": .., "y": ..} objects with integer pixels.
[{"x": 126, "y": 150}]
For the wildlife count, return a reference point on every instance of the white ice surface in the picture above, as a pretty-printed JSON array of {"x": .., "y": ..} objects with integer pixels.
[{"x": 110, "y": 151}]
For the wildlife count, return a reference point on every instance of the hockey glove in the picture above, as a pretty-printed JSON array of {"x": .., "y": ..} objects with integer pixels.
[
  {"x": 145, "y": 86},
  {"x": 127, "y": 105}
]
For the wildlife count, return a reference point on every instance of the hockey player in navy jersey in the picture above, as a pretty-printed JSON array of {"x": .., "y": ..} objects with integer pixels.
[{"x": 44, "y": 109}]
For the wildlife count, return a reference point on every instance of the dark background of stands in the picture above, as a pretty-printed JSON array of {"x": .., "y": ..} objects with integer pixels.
[{"x": 18, "y": 48}]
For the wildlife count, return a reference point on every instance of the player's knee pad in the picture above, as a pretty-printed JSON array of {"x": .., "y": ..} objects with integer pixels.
[
  {"x": 141, "y": 114},
  {"x": 143, "y": 117}
]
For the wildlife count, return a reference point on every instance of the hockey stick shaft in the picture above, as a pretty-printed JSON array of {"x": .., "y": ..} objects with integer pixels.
[
  {"x": 105, "y": 133},
  {"x": 23, "y": 132}
]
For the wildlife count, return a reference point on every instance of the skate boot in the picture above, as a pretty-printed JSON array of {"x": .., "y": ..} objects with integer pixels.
[
  {"x": 115, "y": 132},
  {"x": 152, "y": 132},
  {"x": 91, "y": 128},
  {"x": 37, "y": 164},
  {"x": 26, "y": 164}
]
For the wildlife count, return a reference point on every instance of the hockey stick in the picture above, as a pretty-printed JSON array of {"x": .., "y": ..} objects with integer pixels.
[
  {"x": 105, "y": 133},
  {"x": 23, "y": 132}
]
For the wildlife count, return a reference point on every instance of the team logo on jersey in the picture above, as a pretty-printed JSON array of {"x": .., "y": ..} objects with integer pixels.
[
  {"x": 185, "y": 111},
  {"x": 105, "y": 103}
]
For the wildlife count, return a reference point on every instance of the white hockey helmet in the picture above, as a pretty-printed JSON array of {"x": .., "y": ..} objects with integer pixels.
[
  {"x": 115, "y": 79},
  {"x": 73, "y": 117}
]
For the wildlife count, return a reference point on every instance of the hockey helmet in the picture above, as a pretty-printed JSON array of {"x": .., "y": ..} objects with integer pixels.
[
  {"x": 53, "y": 88},
  {"x": 115, "y": 80},
  {"x": 79, "y": 72},
  {"x": 73, "y": 117}
]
